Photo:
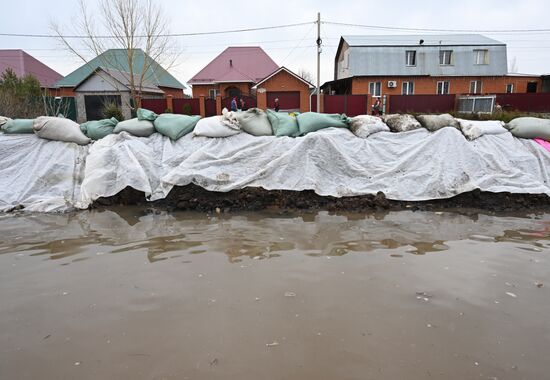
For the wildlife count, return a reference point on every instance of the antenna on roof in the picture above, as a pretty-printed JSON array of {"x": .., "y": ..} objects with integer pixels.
[{"x": 231, "y": 62}]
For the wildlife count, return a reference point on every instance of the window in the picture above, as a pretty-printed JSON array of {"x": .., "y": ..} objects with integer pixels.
[
  {"x": 481, "y": 57},
  {"x": 476, "y": 104},
  {"x": 212, "y": 93},
  {"x": 410, "y": 58},
  {"x": 475, "y": 87},
  {"x": 408, "y": 88},
  {"x": 375, "y": 89},
  {"x": 445, "y": 57},
  {"x": 509, "y": 88},
  {"x": 442, "y": 88}
]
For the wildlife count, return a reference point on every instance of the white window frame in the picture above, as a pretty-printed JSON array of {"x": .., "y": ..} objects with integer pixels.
[
  {"x": 511, "y": 87},
  {"x": 442, "y": 83},
  {"x": 410, "y": 55},
  {"x": 407, "y": 88},
  {"x": 373, "y": 86},
  {"x": 444, "y": 54},
  {"x": 474, "y": 87},
  {"x": 216, "y": 93},
  {"x": 481, "y": 57}
]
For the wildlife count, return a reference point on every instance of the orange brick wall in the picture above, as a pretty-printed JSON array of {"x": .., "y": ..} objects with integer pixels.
[
  {"x": 457, "y": 85},
  {"x": 283, "y": 81},
  {"x": 204, "y": 90},
  {"x": 175, "y": 92},
  {"x": 65, "y": 91}
]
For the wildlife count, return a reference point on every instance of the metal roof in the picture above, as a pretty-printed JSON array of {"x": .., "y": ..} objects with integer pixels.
[
  {"x": 414, "y": 40},
  {"x": 117, "y": 59},
  {"x": 23, "y": 63},
  {"x": 237, "y": 64}
]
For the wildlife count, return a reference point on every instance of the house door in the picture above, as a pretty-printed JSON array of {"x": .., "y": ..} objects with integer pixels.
[
  {"x": 95, "y": 104},
  {"x": 532, "y": 87}
]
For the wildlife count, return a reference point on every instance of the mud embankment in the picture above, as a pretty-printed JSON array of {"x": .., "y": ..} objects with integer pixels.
[{"x": 195, "y": 198}]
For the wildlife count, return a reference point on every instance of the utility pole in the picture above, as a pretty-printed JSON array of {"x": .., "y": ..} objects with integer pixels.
[{"x": 319, "y": 41}]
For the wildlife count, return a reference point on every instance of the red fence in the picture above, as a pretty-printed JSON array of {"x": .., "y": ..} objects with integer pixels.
[
  {"x": 193, "y": 102},
  {"x": 155, "y": 105},
  {"x": 421, "y": 103},
  {"x": 210, "y": 107},
  {"x": 351, "y": 105},
  {"x": 532, "y": 102}
]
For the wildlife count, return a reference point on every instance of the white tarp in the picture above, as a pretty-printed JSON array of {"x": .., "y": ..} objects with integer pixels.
[{"x": 414, "y": 165}]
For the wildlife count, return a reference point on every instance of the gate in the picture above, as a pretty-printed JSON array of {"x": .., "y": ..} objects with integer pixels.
[
  {"x": 351, "y": 105},
  {"x": 249, "y": 102},
  {"x": 210, "y": 107},
  {"x": 288, "y": 100}
]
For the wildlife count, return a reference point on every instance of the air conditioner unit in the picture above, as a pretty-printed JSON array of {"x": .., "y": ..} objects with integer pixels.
[{"x": 392, "y": 84}]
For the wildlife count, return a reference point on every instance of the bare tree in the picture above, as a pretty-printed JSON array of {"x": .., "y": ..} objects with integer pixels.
[
  {"x": 129, "y": 25},
  {"x": 305, "y": 75}
]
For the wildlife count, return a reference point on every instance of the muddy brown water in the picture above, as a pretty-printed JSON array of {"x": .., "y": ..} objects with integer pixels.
[{"x": 128, "y": 294}]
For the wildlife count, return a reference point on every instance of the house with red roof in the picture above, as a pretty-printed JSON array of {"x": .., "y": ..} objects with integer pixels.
[
  {"x": 23, "y": 64},
  {"x": 238, "y": 71}
]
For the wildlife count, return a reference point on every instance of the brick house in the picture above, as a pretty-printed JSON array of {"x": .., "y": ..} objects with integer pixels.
[{"x": 434, "y": 64}]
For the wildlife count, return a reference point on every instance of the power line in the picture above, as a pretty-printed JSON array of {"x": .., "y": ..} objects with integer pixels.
[
  {"x": 159, "y": 35},
  {"x": 439, "y": 30}
]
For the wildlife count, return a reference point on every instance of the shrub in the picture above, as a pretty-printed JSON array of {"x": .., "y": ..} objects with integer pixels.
[
  {"x": 187, "y": 109},
  {"x": 167, "y": 110},
  {"x": 112, "y": 109}
]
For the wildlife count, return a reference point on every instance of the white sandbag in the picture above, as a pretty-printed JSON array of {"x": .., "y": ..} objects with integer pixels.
[
  {"x": 530, "y": 128},
  {"x": 136, "y": 127},
  {"x": 3, "y": 120},
  {"x": 474, "y": 129},
  {"x": 401, "y": 123},
  {"x": 229, "y": 118},
  {"x": 213, "y": 127},
  {"x": 435, "y": 122},
  {"x": 365, "y": 125},
  {"x": 255, "y": 122},
  {"x": 59, "y": 129}
]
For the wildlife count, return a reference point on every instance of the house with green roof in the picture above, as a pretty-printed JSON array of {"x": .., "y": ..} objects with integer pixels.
[{"x": 107, "y": 78}]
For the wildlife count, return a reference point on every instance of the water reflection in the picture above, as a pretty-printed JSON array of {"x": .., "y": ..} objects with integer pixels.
[{"x": 162, "y": 235}]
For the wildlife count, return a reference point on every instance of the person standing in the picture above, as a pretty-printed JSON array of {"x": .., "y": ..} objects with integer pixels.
[
  {"x": 377, "y": 107},
  {"x": 243, "y": 104},
  {"x": 234, "y": 104},
  {"x": 276, "y": 105}
]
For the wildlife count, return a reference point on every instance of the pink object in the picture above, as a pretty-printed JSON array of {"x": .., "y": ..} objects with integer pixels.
[
  {"x": 545, "y": 144},
  {"x": 237, "y": 64},
  {"x": 22, "y": 63}
]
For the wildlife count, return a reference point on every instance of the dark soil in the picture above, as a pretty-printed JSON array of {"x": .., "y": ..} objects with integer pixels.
[{"x": 195, "y": 198}]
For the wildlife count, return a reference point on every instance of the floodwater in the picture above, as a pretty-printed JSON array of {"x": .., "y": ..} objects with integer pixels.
[{"x": 129, "y": 294}]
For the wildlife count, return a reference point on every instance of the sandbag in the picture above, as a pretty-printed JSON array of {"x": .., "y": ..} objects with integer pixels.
[
  {"x": 98, "y": 129},
  {"x": 213, "y": 127},
  {"x": 530, "y": 128},
  {"x": 313, "y": 121},
  {"x": 365, "y": 125},
  {"x": 229, "y": 118},
  {"x": 140, "y": 128},
  {"x": 174, "y": 125},
  {"x": 255, "y": 122},
  {"x": 283, "y": 124},
  {"x": 144, "y": 114},
  {"x": 3, "y": 120},
  {"x": 435, "y": 122},
  {"x": 59, "y": 129},
  {"x": 473, "y": 129},
  {"x": 401, "y": 122},
  {"x": 18, "y": 126}
]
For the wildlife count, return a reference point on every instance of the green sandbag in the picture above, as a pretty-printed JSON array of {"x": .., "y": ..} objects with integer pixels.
[
  {"x": 175, "y": 126},
  {"x": 143, "y": 114},
  {"x": 98, "y": 129},
  {"x": 255, "y": 122},
  {"x": 530, "y": 128},
  {"x": 313, "y": 121},
  {"x": 18, "y": 126},
  {"x": 140, "y": 128},
  {"x": 283, "y": 124}
]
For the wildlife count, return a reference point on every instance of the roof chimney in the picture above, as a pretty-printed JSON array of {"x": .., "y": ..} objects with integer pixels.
[
  {"x": 231, "y": 63},
  {"x": 421, "y": 42}
]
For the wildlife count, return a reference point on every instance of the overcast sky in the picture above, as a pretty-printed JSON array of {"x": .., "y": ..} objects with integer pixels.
[{"x": 294, "y": 47}]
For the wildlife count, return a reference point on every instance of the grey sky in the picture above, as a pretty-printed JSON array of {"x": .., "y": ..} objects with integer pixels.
[{"x": 295, "y": 47}]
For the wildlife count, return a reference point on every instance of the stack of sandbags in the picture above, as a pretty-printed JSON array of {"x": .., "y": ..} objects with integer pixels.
[
  {"x": 175, "y": 126},
  {"x": 312, "y": 121},
  {"x": 98, "y": 129},
  {"x": 401, "y": 122},
  {"x": 283, "y": 124},
  {"x": 365, "y": 125},
  {"x": 255, "y": 122},
  {"x": 474, "y": 129},
  {"x": 530, "y": 128},
  {"x": 15, "y": 126},
  {"x": 59, "y": 129},
  {"x": 435, "y": 122}
]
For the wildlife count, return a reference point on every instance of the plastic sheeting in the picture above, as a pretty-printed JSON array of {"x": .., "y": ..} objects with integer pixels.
[{"x": 414, "y": 165}]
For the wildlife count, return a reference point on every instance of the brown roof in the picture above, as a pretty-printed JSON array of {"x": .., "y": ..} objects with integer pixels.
[{"x": 22, "y": 64}]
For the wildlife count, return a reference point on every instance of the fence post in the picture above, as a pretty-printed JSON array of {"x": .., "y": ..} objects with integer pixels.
[
  {"x": 261, "y": 100},
  {"x": 321, "y": 103},
  {"x": 202, "y": 106},
  {"x": 218, "y": 104},
  {"x": 170, "y": 103}
]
